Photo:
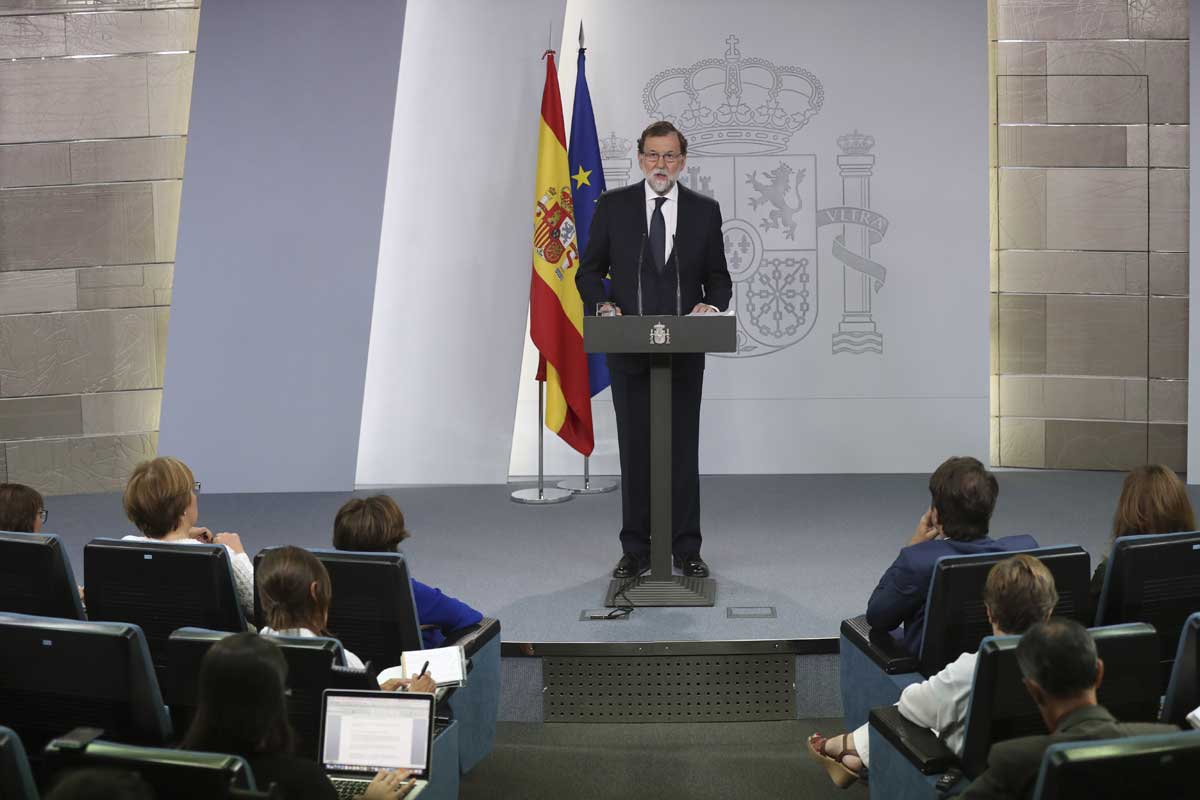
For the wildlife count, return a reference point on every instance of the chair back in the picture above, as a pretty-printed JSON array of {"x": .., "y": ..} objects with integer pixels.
[
  {"x": 1159, "y": 765},
  {"x": 1000, "y": 707},
  {"x": 1153, "y": 579},
  {"x": 36, "y": 576},
  {"x": 58, "y": 674},
  {"x": 955, "y": 617},
  {"x": 372, "y": 612},
  {"x": 16, "y": 779},
  {"x": 1183, "y": 687},
  {"x": 183, "y": 774},
  {"x": 313, "y": 667},
  {"x": 160, "y": 587}
]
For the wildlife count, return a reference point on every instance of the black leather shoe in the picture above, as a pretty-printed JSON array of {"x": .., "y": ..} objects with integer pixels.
[
  {"x": 630, "y": 566},
  {"x": 693, "y": 565}
]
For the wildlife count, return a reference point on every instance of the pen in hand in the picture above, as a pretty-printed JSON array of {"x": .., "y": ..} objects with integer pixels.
[{"x": 422, "y": 674}]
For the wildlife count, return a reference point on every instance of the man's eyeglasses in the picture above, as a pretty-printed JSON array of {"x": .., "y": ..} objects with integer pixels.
[
  {"x": 653, "y": 158},
  {"x": 196, "y": 487},
  {"x": 43, "y": 515}
]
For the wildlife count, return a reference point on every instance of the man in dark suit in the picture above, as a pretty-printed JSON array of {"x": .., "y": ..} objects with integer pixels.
[
  {"x": 1061, "y": 672},
  {"x": 674, "y": 236}
]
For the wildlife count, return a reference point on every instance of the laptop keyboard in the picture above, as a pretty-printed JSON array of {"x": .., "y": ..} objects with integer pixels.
[{"x": 347, "y": 788}]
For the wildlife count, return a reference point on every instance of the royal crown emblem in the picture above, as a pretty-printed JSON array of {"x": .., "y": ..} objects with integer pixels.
[
  {"x": 735, "y": 104},
  {"x": 660, "y": 334},
  {"x": 739, "y": 115}
]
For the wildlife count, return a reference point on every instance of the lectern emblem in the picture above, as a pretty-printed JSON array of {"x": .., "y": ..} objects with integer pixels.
[{"x": 660, "y": 334}]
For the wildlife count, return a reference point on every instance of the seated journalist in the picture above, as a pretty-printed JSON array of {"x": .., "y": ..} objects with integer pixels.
[
  {"x": 1061, "y": 671},
  {"x": 1019, "y": 592},
  {"x": 376, "y": 525},
  {"x": 963, "y": 496}
]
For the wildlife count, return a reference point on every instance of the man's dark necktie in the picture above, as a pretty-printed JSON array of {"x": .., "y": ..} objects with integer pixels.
[{"x": 658, "y": 234}]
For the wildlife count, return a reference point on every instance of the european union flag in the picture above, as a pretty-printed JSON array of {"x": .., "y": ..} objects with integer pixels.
[{"x": 587, "y": 181}]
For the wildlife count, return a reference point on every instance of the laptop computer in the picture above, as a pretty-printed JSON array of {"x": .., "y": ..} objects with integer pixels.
[{"x": 363, "y": 732}]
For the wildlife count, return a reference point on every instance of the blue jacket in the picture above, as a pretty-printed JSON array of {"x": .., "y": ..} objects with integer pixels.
[
  {"x": 899, "y": 599},
  {"x": 442, "y": 611}
]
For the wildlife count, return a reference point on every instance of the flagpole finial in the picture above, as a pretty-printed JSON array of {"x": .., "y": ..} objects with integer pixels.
[{"x": 581, "y": 35}]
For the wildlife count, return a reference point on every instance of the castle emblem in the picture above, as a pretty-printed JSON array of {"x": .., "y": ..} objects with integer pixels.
[
  {"x": 660, "y": 334},
  {"x": 740, "y": 115}
]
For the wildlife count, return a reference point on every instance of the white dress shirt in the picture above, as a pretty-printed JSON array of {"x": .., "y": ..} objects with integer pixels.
[
  {"x": 670, "y": 212},
  {"x": 939, "y": 704}
]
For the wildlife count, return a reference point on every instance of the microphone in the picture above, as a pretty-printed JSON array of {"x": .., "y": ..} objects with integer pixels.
[
  {"x": 675, "y": 252},
  {"x": 641, "y": 254}
]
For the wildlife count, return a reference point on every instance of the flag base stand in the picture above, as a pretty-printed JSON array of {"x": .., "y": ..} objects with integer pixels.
[
  {"x": 535, "y": 496},
  {"x": 588, "y": 485},
  {"x": 541, "y": 495}
]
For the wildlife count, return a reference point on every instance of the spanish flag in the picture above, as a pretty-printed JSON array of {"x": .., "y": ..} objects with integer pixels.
[{"x": 555, "y": 308}]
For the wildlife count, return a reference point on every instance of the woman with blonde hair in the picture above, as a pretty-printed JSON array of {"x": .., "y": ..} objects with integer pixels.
[
  {"x": 161, "y": 499},
  {"x": 1153, "y": 500}
]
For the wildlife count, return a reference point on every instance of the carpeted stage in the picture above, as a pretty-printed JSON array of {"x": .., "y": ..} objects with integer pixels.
[{"x": 810, "y": 547}]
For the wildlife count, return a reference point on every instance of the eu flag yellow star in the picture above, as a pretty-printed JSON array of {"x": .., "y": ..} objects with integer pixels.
[{"x": 581, "y": 177}]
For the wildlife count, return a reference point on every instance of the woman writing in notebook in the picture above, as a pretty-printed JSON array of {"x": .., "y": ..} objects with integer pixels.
[
  {"x": 242, "y": 710},
  {"x": 295, "y": 591}
]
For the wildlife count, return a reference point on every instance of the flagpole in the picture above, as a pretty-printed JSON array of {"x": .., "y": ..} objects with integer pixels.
[{"x": 541, "y": 495}]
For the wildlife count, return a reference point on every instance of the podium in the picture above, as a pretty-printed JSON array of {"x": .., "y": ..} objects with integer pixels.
[{"x": 661, "y": 338}]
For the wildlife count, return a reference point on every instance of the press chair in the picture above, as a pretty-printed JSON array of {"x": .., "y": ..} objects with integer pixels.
[
  {"x": 874, "y": 669},
  {"x": 58, "y": 674},
  {"x": 906, "y": 760},
  {"x": 36, "y": 576}
]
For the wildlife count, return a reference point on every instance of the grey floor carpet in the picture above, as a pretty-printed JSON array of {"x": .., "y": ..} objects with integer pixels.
[
  {"x": 812, "y": 546},
  {"x": 759, "y": 760}
]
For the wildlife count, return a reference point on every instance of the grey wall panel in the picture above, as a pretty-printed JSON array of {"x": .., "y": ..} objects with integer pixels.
[
  {"x": 73, "y": 98},
  {"x": 58, "y": 6},
  {"x": 70, "y": 226},
  {"x": 40, "y": 164},
  {"x": 134, "y": 32},
  {"x": 74, "y": 466},
  {"x": 32, "y": 37},
  {"x": 124, "y": 287},
  {"x": 88, "y": 351},
  {"x": 36, "y": 291},
  {"x": 96, "y": 161},
  {"x": 291, "y": 122}
]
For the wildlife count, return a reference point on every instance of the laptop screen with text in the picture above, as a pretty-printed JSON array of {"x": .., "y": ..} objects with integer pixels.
[{"x": 363, "y": 732}]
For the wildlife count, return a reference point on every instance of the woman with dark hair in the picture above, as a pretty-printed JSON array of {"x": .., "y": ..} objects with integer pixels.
[
  {"x": 1153, "y": 500},
  {"x": 376, "y": 525},
  {"x": 295, "y": 591},
  {"x": 22, "y": 509},
  {"x": 242, "y": 710}
]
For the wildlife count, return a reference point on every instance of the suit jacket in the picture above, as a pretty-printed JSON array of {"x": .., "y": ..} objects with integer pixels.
[
  {"x": 1013, "y": 765},
  {"x": 899, "y": 599},
  {"x": 618, "y": 233}
]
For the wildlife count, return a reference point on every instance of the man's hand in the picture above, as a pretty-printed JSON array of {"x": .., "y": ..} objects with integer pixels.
[
  {"x": 705, "y": 308},
  {"x": 201, "y": 535},
  {"x": 230, "y": 540},
  {"x": 927, "y": 528},
  {"x": 608, "y": 310}
]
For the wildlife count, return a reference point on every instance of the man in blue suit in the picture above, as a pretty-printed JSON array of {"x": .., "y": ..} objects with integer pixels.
[{"x": 963, "y": 496}]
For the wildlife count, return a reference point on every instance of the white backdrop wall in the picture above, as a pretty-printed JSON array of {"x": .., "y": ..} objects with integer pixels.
[
  {"x": 452, "y": 291},
  {"x": 913, "y": 77}
]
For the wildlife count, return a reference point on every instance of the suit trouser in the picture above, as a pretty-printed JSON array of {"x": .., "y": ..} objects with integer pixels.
[{"x": 631, "y": 404}]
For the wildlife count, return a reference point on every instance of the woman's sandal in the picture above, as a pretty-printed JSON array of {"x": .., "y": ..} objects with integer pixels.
[{"x": 839, "y": 773}]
